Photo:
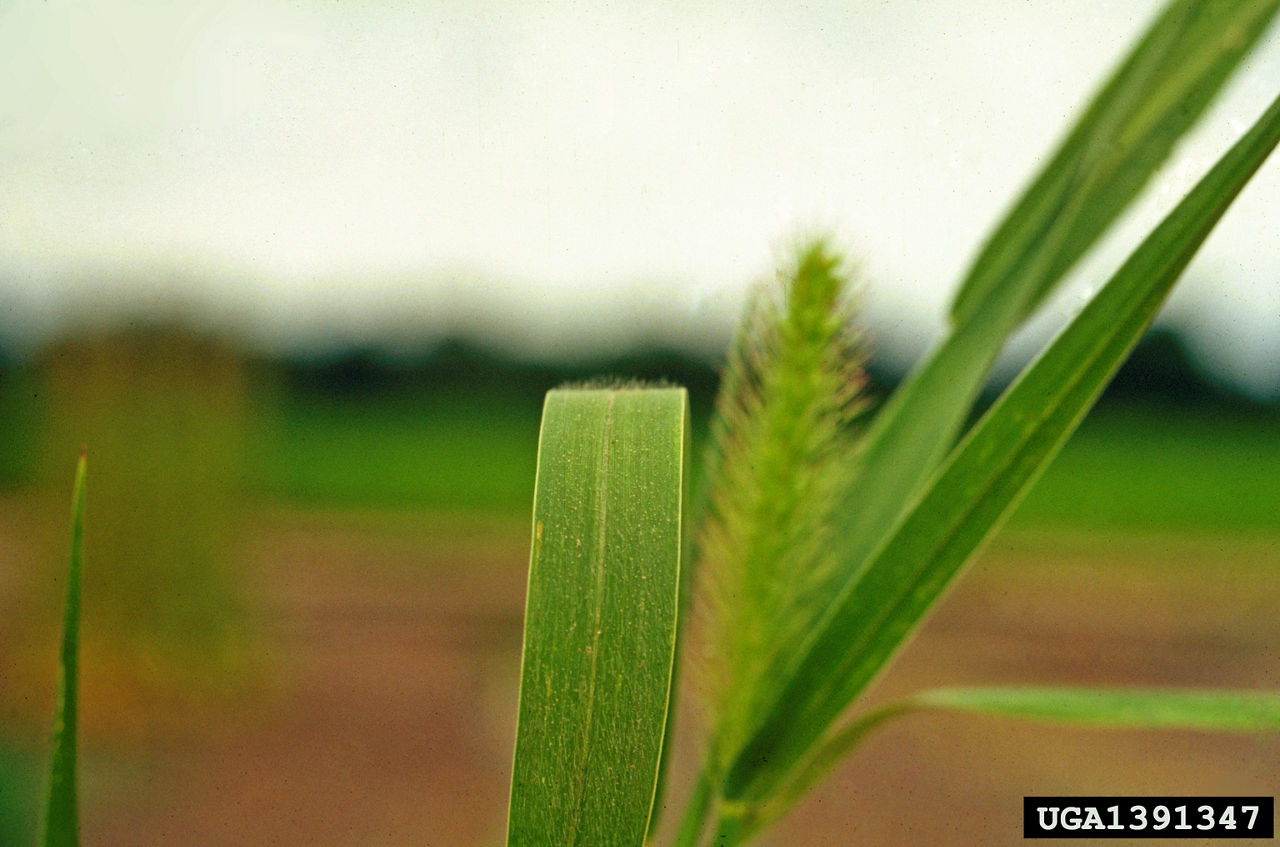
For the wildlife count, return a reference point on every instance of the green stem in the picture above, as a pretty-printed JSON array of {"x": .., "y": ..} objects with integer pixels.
[
  {"x": 62, "y": 816},
  {"x": 731, "y": 829},
  {"x": 695, "y": 815}
]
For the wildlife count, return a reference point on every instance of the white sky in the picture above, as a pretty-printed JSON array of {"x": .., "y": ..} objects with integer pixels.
[{"x": 563, "y": 175}]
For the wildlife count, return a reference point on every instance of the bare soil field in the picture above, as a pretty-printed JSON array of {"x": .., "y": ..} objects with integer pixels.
[{"x": 394, "y": 664}]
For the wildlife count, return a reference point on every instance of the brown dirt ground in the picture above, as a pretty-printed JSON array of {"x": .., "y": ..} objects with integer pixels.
[{"x": 395, "y": 658}]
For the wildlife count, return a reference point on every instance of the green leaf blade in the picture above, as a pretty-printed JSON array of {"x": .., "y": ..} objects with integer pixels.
[
  {"x": 983, "y": 479},
  {"x": 1205, "y": 710},
  {"x": 1155, "y": 96},
  {"x": 600, "y": 624},
  {"x": 1152, "y": 99},
  {"x": 1199, "y": 710},
  {"x": 62, "y": 816}
]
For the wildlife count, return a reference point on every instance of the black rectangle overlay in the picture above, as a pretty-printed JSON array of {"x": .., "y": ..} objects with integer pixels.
[{"x": 1148, "y": 817}]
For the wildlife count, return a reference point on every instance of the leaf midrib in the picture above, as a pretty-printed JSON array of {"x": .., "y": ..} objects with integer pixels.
[{"x": 597, "y": 614}]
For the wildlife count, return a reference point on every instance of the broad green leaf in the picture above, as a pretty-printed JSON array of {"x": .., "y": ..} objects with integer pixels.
[
  {"x": 1135, "y": 120},
  {"x": 1118, "y": 708},
  {"x": 982, "y": 480},
  {"x": 600, "y": 621},
  {"x": 62, "y": 819}
]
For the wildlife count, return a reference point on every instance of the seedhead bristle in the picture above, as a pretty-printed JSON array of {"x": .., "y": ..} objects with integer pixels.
[{"x": 779, "y": 465}]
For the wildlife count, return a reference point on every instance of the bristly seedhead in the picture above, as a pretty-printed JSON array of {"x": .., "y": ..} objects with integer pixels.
[
  {"x": 615, "y": 383},
  {"x": 780, "y": 463}
]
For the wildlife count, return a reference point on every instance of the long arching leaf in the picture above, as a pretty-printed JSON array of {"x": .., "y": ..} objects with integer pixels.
[
  {"x": 1194, "y": 709},
  {"x": 1205, "y": 710}
]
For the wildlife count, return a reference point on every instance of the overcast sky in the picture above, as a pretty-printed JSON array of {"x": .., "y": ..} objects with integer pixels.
[{"x": 564, "y": 176}]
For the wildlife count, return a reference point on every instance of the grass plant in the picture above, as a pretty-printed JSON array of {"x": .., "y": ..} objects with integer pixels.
[
  {"x": 62, "y": 814},
  {"x": 822, "y": 543},
  {"x": 822, "y": 548}
]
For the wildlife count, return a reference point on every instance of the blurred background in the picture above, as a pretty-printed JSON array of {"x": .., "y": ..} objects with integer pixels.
[{"x": 299, "y": 273}]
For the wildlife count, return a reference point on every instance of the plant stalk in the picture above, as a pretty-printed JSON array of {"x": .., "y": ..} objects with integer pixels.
[
  {"x": 695, "y": 814},
  {"x": 732, "y": 828}
]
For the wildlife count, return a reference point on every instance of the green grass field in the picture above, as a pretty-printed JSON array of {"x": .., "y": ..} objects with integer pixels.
[
  {"x": 473, "y": 451},
  {"x": 1131, "y": 466},
  {"x": 1152, "y": 467}
]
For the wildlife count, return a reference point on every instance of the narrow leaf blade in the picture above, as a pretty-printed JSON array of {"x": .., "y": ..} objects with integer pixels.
[
  {"x": 984, "y": 478},
  {"x": 1128, "y": 130},
  {"x": 62, "y": 819},
  {"x": 1117, "y": 708},
  {"x": 1158, "y": 92},
  {"x": 1203, "y": 710},
  {"x": 600, "y": 622}
]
